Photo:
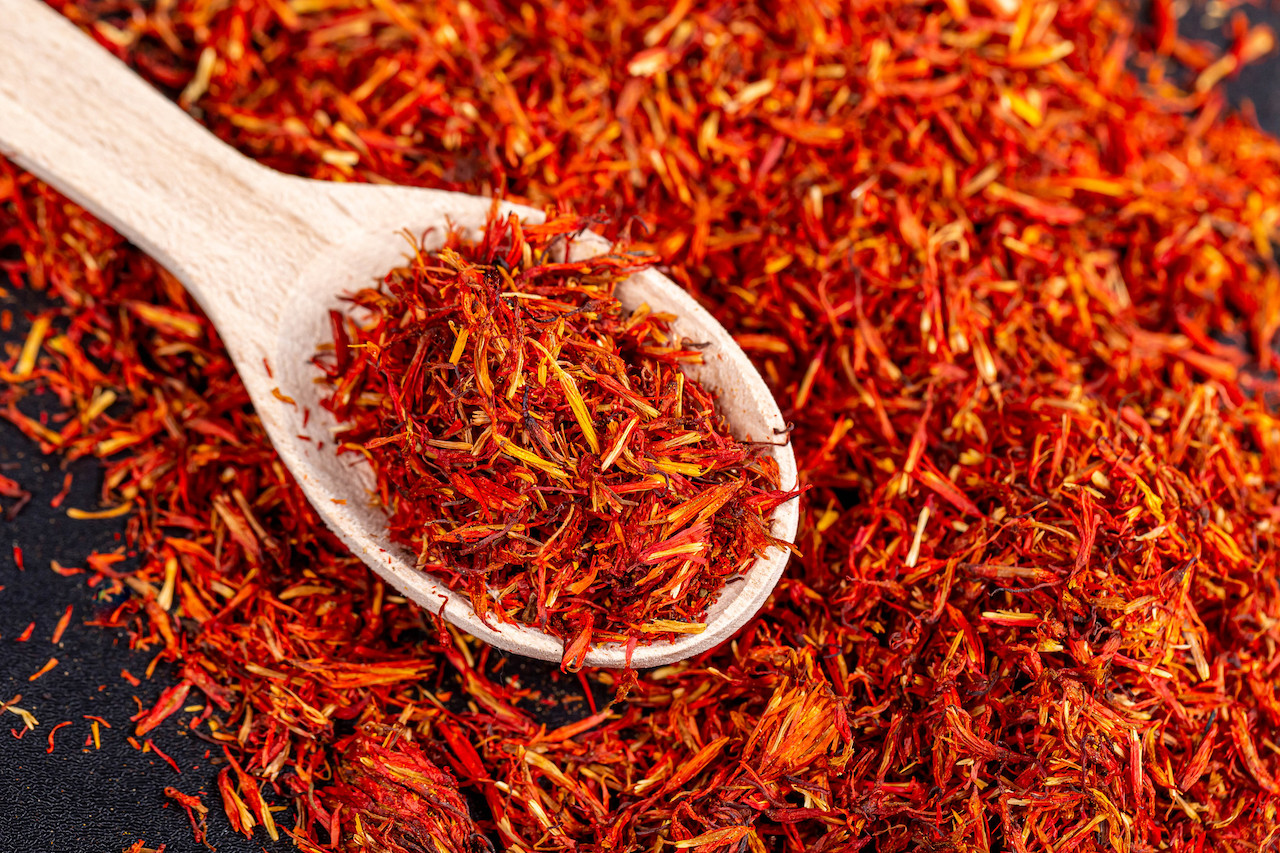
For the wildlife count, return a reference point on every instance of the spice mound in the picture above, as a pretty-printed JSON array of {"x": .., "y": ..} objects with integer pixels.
[
  {"x": 390, "y": 797},
  {"x": 539, "y": 447}
]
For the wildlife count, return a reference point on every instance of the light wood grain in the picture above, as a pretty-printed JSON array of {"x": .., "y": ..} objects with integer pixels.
[{"x": 266, "y": 255}]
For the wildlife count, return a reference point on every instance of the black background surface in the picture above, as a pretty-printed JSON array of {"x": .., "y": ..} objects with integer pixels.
[{"x": 79, "y": 798}]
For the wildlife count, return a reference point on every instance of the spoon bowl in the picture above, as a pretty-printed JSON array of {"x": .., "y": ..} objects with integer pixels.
[{"x": 268, "y": 255}]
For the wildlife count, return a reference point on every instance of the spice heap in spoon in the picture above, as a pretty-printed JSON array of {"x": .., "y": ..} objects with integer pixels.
[{"x": 539, "y": 447}]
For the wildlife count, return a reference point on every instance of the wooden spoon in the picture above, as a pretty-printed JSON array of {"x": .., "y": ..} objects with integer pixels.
[{"x": 267, "y": 255}]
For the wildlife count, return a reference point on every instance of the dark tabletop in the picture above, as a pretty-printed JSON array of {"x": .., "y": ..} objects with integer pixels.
[{"x": 104, "y": 798}]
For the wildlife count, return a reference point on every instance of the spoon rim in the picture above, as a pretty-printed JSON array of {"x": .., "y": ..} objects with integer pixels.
[{"x": 749, "y": 591}]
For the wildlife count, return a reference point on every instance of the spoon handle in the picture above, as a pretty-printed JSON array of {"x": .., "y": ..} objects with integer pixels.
[{"x": 78, "y": 118}]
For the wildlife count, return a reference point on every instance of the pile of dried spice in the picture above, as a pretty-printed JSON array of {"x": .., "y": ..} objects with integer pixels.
[
  {"x": 1013, "y": 282},
  {"x": 382, "y": 776},
  {"x": 539, "y": 447}
]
